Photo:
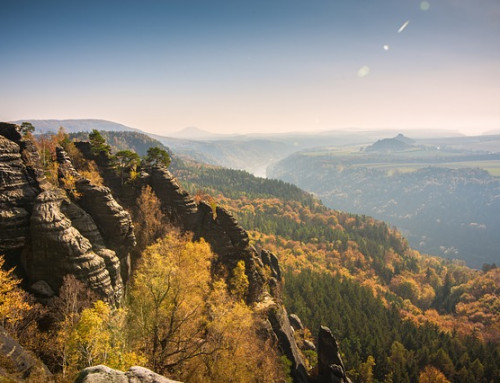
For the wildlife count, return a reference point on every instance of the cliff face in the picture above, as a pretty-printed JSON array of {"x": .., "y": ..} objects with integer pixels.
[
  {"x": 230, "y": 243},
  {"x": 46, "y": 235},
  {"x": 20, "y": 183},
  {"x": 65, "y": 240}
]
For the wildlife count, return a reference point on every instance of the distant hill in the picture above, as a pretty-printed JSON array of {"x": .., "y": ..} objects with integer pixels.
[
  {"x": 491, "y": 132},
  {"x": 439, "y": 199},
  {"x": 193, "y": 133},
  {"x": 73, "y": 126},
  {"x": 398, "y": 143}
]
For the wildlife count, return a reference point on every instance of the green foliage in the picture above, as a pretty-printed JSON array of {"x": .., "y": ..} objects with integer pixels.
[
  {"x": 98, "y": 143},
  {"x": 287, "y": 368},
  {"x": 134, "y": 141},
  {"x": 27, "y": 128},
  {"x": 126, "y": 161},
  {"x": 157, "y": 156},
  {"x": 365, "y": 327},
  {"x": 238, "y": 183}
]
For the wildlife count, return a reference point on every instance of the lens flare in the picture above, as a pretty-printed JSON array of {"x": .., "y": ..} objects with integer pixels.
[
  {"x": 402, "y": 27},
  {"x": 363, "y": 71},
  {"x": 424, "y": 5}
]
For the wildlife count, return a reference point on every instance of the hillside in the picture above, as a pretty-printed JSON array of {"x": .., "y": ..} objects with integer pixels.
[
  {"x": 363, "y": 269},
  {"x": 440, "y": 199},
  {"x": 398, "y": 143}
]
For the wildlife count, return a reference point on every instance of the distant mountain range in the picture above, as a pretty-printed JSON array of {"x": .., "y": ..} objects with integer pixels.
[
  {"x": 256, "y": 152},
  {"x": 74, "y": 126}
]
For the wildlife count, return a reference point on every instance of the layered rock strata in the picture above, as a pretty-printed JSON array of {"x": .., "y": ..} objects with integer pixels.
[
  {"x": 46, "y": 236},
  {"x": 65, "y": 240},
  {"x": 19, "y": 186},
  {"x": 113, "y": 221}
]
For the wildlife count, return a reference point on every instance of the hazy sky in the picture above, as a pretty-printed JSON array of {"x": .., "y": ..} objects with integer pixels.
[{"x": 255, "y": 65}]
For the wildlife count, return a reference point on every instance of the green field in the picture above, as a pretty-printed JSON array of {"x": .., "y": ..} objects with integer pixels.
[{"x": 409, "y": 160}]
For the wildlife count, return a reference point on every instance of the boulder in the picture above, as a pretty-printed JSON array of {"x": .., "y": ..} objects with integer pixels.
[{"x": 103, "y": 374}]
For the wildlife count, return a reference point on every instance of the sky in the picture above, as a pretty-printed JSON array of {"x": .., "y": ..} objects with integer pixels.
[{"x": 238, "y": 66}]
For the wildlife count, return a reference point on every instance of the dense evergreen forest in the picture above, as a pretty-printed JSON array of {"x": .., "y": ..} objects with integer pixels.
[{"x": 367, "y": 328}]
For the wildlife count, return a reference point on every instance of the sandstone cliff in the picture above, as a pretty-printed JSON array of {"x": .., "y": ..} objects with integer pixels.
[
  {"x": 48, "y": 235},
  {"x": 45, "y": 235}
]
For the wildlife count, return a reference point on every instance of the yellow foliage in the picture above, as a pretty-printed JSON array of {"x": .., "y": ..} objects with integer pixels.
[
  {"x": 91, "y": 172},
  {"x": 239, "y": 281},
  {"x": 432, "y": 375},
  {"x": 13, "y": 301},
  {"x": 148, "y": 215},
  {"x": 69, "y": 184},
  {"x": 188, "y": 325}
]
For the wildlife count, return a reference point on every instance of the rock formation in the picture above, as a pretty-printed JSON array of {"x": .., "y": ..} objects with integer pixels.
[
  {"x": 49, "y": 235},
  {"x": 330, "y": 366},
  {"x": 113, "y": 221},
  {"x": 278, "y": 318},
  {"x": 46, "y": 236},
  {"x": 103, "y": 374},
  {"x": 65, "y": 240},
  {"x": 20, "y": 183},
  {"x": 17, "y": 364}
]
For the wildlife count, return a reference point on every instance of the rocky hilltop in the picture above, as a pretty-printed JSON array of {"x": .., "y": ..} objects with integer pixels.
[{"x": 47, "y": 234}]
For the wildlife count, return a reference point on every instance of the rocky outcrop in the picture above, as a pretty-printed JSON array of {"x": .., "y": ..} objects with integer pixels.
[
  {"x": 19, "y": 187},
  {"x": 271, "y": 260},
  {"x": 65, "y": 240},
  {"x": 103, "y": 374},
  {"x": 231, "y": 244},
  {"x": 112, "y": 220},
  {"x": 295, "y": 322},
  {"x": 17, "y": 364},
  {"x": 176, "y": 203},
  {"x": 278, "y": 318},
  {"x": 330, "y": 366}
]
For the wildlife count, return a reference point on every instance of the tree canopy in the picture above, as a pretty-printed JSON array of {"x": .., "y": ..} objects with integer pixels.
[{"x": 157, "y": 156}]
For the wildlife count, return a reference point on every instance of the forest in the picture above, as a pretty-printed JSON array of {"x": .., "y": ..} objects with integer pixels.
[
  {"x": 400, "y": 316},
  {"x": 339, "y": 264}
]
